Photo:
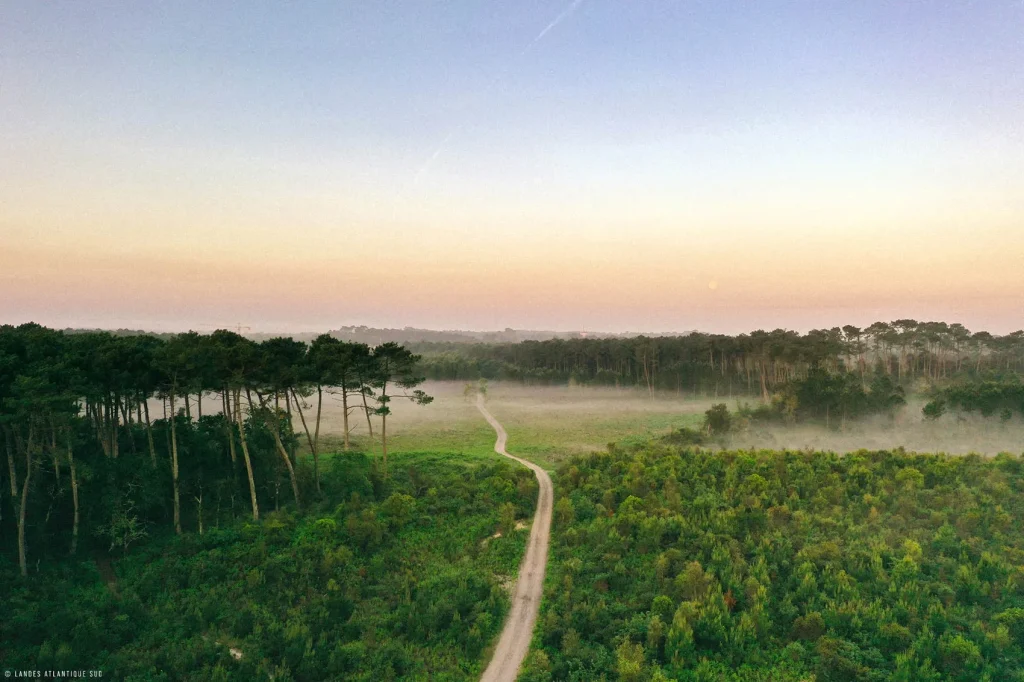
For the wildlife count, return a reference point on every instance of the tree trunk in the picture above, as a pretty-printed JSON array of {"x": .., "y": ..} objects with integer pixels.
[
  {"x": 199, "y": 499},
  {"x": 284, "y": 453},
  {"x": 128, "y": 425},
  {"x": 149, "y": 436},
  {"x": 245, "y": 454},
  {"x": 74, "y": 494},
  {"x": 764, "y": 388},
  {"x": 53, "y": 450},
  {"x": 24, "y": 506},
  {"x": 291, "y": 424},
  {"x": 288, "y": 463},
  {"x": 366, "y": 408},
  {"x": 174, "y": 466},
  {"x": 112, "y": 420},
  {"x": 319, "y": 411},
  {"x": 312, "y": 447},
  {"x": 199, "y": 404},
  {"x": 228, "y": 426},
  {"x": 384, "y": 441},
  {"x": 10, "y": 463}
]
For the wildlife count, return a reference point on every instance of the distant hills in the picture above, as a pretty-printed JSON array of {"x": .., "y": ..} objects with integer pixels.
[{"x": 375, "y": 336}]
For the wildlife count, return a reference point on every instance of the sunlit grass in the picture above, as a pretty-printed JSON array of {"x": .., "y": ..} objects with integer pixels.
[{"x": 545, "y": 424}]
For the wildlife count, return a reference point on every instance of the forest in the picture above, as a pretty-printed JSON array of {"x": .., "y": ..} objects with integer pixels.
[
  {"x": 258, "y": 563},
  {"x": 393, "y": 579},
  {"x": 678, "y": 563},
  {"x": 754, "y": 364},
  {"x": 73, "y": 403},
  {"x": 180, "y": 488}
]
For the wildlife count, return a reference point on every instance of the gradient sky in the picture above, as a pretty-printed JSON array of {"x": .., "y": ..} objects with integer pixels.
[{"x": 645, "y": 166}]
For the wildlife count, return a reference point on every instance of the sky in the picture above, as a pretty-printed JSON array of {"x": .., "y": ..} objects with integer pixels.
[{"x": 597, "y": 164}]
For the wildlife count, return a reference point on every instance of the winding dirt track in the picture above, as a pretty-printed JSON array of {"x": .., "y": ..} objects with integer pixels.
[{"x": 518, "y": 630}]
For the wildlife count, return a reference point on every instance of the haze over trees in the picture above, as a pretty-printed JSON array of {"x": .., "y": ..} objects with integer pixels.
[{"x": 758, "y": 363}]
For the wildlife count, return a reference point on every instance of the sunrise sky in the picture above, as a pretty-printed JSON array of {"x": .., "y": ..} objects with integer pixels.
[{"x": 605, "y": 165}]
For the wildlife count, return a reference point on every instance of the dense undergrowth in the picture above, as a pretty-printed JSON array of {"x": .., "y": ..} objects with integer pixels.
[
  {"x": 395, "y": 579},
  {"x": 677, "y": 563}
]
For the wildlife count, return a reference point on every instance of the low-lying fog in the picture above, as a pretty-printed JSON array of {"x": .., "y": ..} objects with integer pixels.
[
  {"x": 597, "y": 415},
  {"x": 954, "y": 434}
]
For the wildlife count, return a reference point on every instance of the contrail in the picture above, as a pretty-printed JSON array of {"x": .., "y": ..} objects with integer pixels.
[
  {"x": 555, "y": 22},
  {"x": 433, "y": 157},
  {"x": 563, "y": 15}
]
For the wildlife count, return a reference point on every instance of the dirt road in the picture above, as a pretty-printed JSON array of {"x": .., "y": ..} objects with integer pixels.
[{"x": 518, "y": 630}]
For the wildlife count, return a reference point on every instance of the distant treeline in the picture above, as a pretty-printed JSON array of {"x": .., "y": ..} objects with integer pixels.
[
  {"x": 760, "y": 362},
  {"x": 375, "y": 336},
  {"x": 75, "y": 418}
]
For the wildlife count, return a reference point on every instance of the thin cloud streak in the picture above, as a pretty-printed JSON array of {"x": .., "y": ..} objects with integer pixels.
[
  {"x": 433, "y": 157},
  {"x": 566, "y": 13},
  {"x": 562, "y": 16}
]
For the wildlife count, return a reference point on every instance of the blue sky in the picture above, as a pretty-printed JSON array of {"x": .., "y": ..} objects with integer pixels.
[{"x": 630, "y": 127}]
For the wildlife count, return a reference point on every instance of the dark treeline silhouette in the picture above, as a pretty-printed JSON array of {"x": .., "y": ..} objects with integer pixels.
[
  {"x": 87, "y": 460},
  {"x": 760, "y": 362}
]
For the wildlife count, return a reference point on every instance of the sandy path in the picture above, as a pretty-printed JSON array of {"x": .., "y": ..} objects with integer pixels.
[{"x": 518, "y": 631}]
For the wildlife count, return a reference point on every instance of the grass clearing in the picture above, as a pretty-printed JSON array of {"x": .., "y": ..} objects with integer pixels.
[{"x": 548, "y": 424}]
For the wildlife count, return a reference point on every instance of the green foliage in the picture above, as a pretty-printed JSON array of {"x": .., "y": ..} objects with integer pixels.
[
  {"x": 369, "y": 585},
  {"x": 934, "y": 409},
  {"x": 717, "y": 420},
  {"x": 1005, "y": 396},
  {"x": 685, "y": 436},
  {"x": 762, "y": 565},
  {"x": 759, "y": 363},
  {"x": 833, "y": 397}
]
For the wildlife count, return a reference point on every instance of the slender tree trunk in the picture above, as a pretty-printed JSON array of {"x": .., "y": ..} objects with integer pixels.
[
  {"x": 128, "y": 425},
  {"x": 245, "y": 453},
  {"x": 228, "y": 426},
  {"x": 123, "y": 405},
  {"x": 112, "y": 420},
  {"x": 174, "y": 465},
  {"x": 188, "y": 410},
  {"x": 74, "y": 495},
  {"x": 312, "y": 447},
  {"x": 764, "y": 388},
  {"x": 284, "y": 453},
  {"x": 199, "y": 500},
  {"x": 366, "y": 408},
  {"x": 384, "y": 441},
  {"x": 149, "y": 436},
  {"x": 199, "y": 404},
  {"x": 291, "y": 423},
  {"x": 288, "y": 463},
  {"x": 53, "y": 450},
  {"x": 319, "y": 411},
  {"x": 96, "y": 413},
  {"x": 24, "y": 505},
  {"x": 167, "y": 432},
  {"x": 10, "y": 463}
]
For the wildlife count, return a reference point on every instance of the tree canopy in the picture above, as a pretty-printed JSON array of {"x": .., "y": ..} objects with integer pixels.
[{"x": 79, "y": 406}]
